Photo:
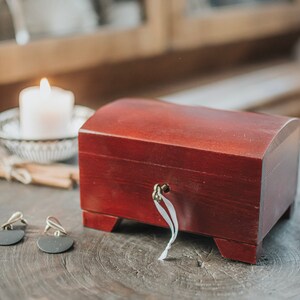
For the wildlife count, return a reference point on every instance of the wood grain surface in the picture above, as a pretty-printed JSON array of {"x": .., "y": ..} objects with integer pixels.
[{"x": 124, "y": 264}]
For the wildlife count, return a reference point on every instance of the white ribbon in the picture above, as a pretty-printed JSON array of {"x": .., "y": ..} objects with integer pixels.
[
  {"x": 11, "y": 170},
  {"x": 171, "y": 221}
]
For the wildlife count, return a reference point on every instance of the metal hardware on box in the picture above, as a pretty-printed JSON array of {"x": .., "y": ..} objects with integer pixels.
[
  {"x": 158, "y": 190},
  {"x": 168, "y": 213}
]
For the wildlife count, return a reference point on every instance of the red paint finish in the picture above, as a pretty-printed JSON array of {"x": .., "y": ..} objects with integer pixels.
[
  {"x": 100, "y": 221},
  {"x": 232, "y": 174},
  {"x": 239, "y": 251}
]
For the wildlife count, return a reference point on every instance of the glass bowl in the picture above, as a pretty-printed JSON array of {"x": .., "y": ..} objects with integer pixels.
[{"x": 41, "y": 151}]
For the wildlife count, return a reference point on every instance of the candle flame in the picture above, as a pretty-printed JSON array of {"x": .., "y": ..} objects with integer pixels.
[{"x": 45, "y": 88}]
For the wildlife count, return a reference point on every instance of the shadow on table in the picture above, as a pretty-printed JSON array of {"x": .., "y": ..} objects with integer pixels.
[{"x": 277, "y": 241}]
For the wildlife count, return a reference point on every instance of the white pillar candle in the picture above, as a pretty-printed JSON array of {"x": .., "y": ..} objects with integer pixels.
[{"x": 45, "y": 112}]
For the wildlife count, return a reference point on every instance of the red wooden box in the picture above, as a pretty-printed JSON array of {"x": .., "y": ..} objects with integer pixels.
[{"x": 232, "y": 175}]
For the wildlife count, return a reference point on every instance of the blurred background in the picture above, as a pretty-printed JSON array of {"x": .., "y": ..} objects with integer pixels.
[{"x": 231, "y": 54}]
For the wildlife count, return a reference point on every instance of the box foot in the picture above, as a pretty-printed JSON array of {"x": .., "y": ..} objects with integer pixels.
[
  {"x": 239, "y": 251},
  {"x": 100, "y": 221},
  {"x": 289, "y": 212}
]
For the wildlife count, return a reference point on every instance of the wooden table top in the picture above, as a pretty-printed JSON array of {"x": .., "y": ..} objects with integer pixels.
[{"x": 124, "y": 264}]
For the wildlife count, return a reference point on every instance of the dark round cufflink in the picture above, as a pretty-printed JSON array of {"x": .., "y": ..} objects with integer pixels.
[
  {"x": 10, "y": 235},
  {"x": 58, "y": 242}
]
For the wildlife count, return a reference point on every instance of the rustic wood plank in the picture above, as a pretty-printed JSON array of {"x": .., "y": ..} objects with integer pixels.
[
  {"x": 124, "y": 264},
  {"x": 166, "y": 74},
  {"x": 215, "y": 26},
  {"x": 246, "y": 91}
]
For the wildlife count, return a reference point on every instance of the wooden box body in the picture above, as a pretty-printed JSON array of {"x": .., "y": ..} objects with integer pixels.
[{"x": 232, "y": 175}]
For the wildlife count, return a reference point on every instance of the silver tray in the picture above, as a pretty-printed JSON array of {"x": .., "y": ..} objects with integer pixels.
[{"x": 41, "y": 151}]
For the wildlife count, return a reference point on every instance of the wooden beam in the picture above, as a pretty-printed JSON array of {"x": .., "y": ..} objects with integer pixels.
[
  {"x": 217, "y": 26},
  {"x": 107, "y": 45},
  {"x": 249, "y": 91}
]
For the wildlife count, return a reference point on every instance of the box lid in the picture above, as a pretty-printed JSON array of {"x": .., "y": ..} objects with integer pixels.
[{"x": 175, "y": 135}]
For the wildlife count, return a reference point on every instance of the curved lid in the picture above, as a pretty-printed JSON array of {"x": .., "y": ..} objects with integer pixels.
[{"x": 236, "y": 133}]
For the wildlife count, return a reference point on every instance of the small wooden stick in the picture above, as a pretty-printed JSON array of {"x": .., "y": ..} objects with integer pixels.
[
  {"x": 55, "y": 170},
  {"x": 44, "y": 179},
  {"x": 64, "y": 183}
]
